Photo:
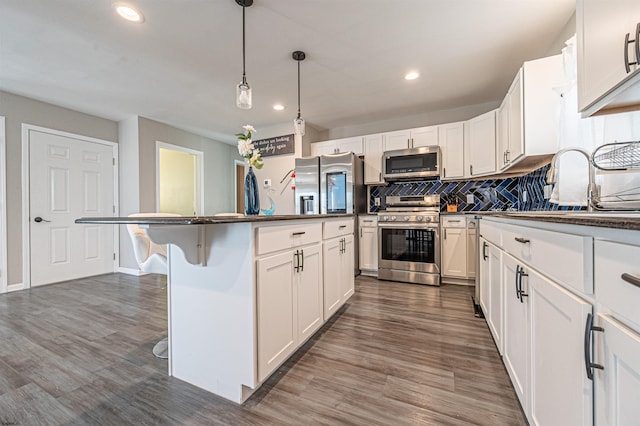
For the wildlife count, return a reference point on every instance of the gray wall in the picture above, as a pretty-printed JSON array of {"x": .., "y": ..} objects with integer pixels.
[
  {"x": 565, "y": 34},
  {"x": 19, "y": 110}
]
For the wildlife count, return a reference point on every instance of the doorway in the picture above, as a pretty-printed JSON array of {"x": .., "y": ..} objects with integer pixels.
[
  {"x": 3, "y": 209},
  {"x": 239, "y": 179},
  {"x": 179, "y": 180},
  {"x": 67, "y": 176}
]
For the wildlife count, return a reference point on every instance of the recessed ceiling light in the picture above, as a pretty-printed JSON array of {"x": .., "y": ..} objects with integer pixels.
[
  {"x": 278, "y": 107},
  {"x": 412, "y": 75},
  {"x": 129, "y": 12}
]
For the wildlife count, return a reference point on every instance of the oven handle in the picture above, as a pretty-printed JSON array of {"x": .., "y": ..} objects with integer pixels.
[{"x": 408, "y": 226}]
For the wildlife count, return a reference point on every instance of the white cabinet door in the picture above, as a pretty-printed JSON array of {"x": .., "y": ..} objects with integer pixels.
[
  {"x": 557, "y": 350},
  {"x": 424, "y": 136},
  {"x": 373, "y": 148},
  {"x": 276, "y": 300},
  {"x": 472, "y": 248},
  {"x": 350, "y": 145},
  {"x": 496, "y": 296},
  {"x": 516, "y": 329},
  {"x": 347, "y": 281},
  {"x": 618, "y": 350},
  {"x": 514, "y": 104},
  {"x": 602, "y": 27},
  {"x": 368, "y": 248},
  {"x": 331, "y": 253},
  {"x": 484, "y": 278},
  {"x": 396, "y": 140},
  {"x": 502, "y": 133},
  {"x": 309, "y": 289},
  {"x": 481, "y": 145},
  {"x": 322, "y": 148},
  {"x": 454, "y": 252},
  {"x": 451, "y": 140}
]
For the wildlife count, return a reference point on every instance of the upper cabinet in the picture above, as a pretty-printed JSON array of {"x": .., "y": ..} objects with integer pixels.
[
  {"x": 424, "y": 136},
  {"x": 451, "y": 141},
  {"x": 337, "y": 146},
  {"x": 608, "y": 55},
  {"x": 527, "y": 117},
  {"x": 480, "y": 145}
]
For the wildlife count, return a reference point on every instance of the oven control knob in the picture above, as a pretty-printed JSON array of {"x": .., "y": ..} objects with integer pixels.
[
  {"x": 385, "y": 218},
  {"x": 419, "y": 218},
  {"x": 427, "y": 219},
  {"x": 393, "y": 218},
  {"x": 406, "y": 218}
]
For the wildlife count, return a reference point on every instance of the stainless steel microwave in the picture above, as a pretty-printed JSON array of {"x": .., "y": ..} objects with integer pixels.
[{"x": 413, "y": 163}]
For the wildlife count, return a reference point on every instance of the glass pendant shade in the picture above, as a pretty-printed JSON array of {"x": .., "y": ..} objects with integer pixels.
[
  {"x": 298, "y": 126},
  {"x": 243, "y": 96}
]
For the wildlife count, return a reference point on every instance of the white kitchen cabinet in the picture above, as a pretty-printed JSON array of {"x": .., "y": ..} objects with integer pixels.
[
  {"x": 289, "y": 303},
  {"x": 454, "y": 247},
  {"x": 400, "y": 139},
  {"x": 557, "y": 330},
  {"x": 617, "y": 346},
  {"x": 337, "y": 146},
  {"x": 490, "y": 282},
  {"x": 472, "y": 247},
  {"x": 338, "y": 261},
  {"x": 516, "y": 355},
  {"x": 373, "y": 149},
  {"x": 480, "y": 144},
  {"x": 617, "y": 349},
  {"x": 368, "y": 245},
  {"x": 424, "y": 136},
  {"x": 529, "y": 112},
  {"x": 608, "y": 74},
  {"x": 451, "y": 141}
]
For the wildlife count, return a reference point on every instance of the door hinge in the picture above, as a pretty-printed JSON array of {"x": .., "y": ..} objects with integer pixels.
[
  {"x": 114, "y": 256},
  {"x": 114, "y": 161},
  {"x": 114, "y": 209}
]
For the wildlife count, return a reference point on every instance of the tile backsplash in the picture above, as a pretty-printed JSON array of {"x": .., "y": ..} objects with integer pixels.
[{"x": 489, "y": 194}]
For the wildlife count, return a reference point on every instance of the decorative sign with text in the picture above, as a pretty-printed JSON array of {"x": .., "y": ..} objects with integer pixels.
[{"x": 280, "y": 145}]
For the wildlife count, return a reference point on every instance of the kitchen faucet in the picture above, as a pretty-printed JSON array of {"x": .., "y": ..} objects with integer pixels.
[{"x": 592, "y": 189}]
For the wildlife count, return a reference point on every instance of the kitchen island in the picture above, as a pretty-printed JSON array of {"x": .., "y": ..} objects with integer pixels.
[{"x": 244, "y": 293}]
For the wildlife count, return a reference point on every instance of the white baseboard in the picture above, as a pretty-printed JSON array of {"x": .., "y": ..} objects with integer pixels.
[
  {"x": 131, "y": 271},
  {"x": 15, "y": 287}
]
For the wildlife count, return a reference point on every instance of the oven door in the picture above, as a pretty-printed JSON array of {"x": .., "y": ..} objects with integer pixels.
[{"x": 413, "y": 248}]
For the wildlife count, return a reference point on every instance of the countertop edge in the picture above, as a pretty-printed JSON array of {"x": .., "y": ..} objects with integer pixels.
[{"x": 202, "y": 220}]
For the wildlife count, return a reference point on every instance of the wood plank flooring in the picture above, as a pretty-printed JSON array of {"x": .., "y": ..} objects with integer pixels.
[{"x": 79, "y": 353}]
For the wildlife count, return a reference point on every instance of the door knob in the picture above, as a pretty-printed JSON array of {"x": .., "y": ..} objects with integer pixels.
[{"x": 39, "y": 219}]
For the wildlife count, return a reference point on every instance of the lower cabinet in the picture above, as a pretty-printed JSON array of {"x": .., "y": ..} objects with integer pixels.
[
  {"x": 490, "y": 270},
  {"x": 561, "y": 393},
  {"x": 338, "y": 273},
  {"x": 289, "y": 303},
  {"x": 368, "y": 245},
  {"x": 617, "y": 350}
]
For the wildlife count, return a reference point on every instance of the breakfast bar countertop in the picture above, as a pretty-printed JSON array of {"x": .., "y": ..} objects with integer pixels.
[{"x": 202, "y": 220}]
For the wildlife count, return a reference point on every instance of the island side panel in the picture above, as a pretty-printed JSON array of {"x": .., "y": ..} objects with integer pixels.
[{"x": 212, "y": 313}]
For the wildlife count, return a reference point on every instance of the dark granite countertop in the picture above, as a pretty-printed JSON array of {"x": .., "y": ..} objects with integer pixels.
[
  {"x": 604, "y": 219},
  {"x": 202, "y": 220}
]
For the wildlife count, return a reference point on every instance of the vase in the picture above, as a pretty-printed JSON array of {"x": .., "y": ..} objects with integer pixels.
[{"x": 251, "y": 198}]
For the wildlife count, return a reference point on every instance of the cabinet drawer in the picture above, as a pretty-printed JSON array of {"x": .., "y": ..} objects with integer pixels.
[
  {"x": 336, "y": 228},
  {"x": 369, "y": 220},
  {"x": 611, "y": 261},
  {"x": 565, "y": 258},
  {"x": 453, "y": 221},
  {"x": 281, "y": 237},
  {"x": 492, "y": 232}
]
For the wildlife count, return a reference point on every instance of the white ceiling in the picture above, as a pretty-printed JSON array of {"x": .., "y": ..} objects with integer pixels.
[{"x": 182, "y": 64}]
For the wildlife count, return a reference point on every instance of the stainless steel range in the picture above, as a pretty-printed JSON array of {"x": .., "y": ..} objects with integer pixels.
[{"x": 409, "y": 239}]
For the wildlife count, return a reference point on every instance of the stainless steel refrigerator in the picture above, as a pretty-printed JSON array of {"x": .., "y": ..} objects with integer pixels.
[{"x": 307, "y": 193}]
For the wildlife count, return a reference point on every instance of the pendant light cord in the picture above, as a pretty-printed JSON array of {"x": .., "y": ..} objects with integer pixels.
[
  {"x": 298, "y": 89},
  {"x": 244, "y": 76}
]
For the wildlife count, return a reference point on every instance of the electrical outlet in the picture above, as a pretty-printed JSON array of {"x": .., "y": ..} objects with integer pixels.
[
  {"x": 547, "y": 190},
  {"x": 267, "y": 183},
  {"x": 470, "y": 199},
  {"x": 524, "y": 196},
  {"x": 376, "y": 201}
]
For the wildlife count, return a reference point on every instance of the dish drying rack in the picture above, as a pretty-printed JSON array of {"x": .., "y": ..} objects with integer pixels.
[{"x": 619, "y": 157}]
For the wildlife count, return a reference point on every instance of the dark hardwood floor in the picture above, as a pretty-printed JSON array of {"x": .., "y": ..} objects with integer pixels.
[{"x": 79, "y": 353}]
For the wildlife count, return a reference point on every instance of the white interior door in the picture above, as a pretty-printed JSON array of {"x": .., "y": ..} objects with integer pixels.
[{"x": 69, "y": 178}]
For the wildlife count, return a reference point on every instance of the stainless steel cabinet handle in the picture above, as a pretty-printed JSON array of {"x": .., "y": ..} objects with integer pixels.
[
  {"x": 298, "y": 233},
  {"x": 296, "y": 265},
  {"x": 484, "y": 250},
  {"x": 360, "y": 232},
  {"x": 342, "y": 226},
  {"x": 471, "y": 169},
  {"x": 631, "y": 279},
  {"x": 302, "y": 261},
  {"x": 445, "y": 233},
  {"x": 589, "y": 327},
  {"x": 522, "y": 240},
  {"x": 516, "y": 282},
  {"x": 522, "y": 294}
]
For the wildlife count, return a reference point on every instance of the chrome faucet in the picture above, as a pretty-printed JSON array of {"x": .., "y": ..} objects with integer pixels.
[{"x": 592, "y": 189}]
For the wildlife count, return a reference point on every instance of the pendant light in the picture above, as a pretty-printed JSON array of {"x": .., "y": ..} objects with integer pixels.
[
  {"x": 298, "y": 123},
  {"x": 243, "y": 91}
]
